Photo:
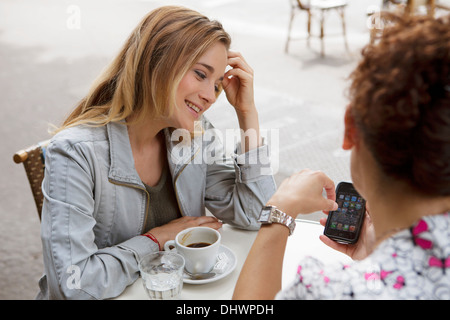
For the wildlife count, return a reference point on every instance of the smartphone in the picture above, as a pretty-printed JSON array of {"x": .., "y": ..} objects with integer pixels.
[{"x": 344, "y": 225}]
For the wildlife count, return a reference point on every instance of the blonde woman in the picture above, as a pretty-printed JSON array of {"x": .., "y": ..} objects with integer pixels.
[{"x": 116, "y": 186}]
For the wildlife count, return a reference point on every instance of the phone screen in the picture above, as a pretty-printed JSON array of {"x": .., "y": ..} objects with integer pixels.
[{"x": 344, "y": 224}]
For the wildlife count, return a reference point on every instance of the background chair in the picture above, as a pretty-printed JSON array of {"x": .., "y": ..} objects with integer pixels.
[
  {"x": 410, "y": 6},
  {"x": 443, "y": 5},
  {"x": 317, "y": 6},
  {"x": 401, "y": 7},
  {"x": 413, "y": 5},
  {"x": 33, "y": 159}
]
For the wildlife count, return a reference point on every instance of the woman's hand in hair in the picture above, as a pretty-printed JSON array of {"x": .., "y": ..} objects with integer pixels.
[{"x": 238, "y": 84}]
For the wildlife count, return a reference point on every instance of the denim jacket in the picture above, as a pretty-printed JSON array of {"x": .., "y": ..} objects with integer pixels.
[{"x": 95, "y": 204}]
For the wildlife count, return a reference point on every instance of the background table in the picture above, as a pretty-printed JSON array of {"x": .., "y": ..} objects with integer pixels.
[{"x": 304, "y": 241}]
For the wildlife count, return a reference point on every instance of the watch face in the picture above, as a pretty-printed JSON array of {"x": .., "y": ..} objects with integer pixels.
[{"x": 265, "y": 214}]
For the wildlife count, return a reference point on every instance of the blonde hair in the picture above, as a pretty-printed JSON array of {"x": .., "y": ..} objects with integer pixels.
[{"x": 142, "y": 80}]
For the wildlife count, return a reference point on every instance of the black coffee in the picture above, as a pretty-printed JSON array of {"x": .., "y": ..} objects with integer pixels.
[{"x": 199, "y": 245}]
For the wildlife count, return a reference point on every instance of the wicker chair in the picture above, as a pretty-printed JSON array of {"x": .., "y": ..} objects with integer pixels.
[{"x": 33, "y": 159}]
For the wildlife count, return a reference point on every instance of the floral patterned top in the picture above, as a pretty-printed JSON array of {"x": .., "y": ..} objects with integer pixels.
[{"x": 412, "y": 264}]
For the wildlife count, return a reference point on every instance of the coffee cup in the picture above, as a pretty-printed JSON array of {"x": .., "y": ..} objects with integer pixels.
[{"x": 199, "y": 246}]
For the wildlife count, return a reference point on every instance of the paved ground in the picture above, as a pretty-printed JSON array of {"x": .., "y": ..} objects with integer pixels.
[{"x": 50, "y": 52}]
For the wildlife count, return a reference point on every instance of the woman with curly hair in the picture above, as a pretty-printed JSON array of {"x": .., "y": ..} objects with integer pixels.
[{"x": 397, "y": 127}]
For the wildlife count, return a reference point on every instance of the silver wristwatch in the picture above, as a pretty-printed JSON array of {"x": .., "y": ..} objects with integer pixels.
[{"x": 270, "y": 214}]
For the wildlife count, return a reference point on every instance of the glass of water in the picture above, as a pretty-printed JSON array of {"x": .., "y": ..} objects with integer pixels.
[{"x": 162, "y": 275}]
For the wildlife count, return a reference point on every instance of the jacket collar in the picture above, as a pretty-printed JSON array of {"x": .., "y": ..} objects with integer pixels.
[
  {"x": 122, "y": 168},
  {"x": 122, "y": 162},
  {"x": 179, "y": 154}
]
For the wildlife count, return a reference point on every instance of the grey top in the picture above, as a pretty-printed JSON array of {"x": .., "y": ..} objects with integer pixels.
[{"x": 163, "y": 203}]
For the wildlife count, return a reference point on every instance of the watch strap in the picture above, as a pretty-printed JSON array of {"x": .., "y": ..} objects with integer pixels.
[{"x": 280, "y": 217}]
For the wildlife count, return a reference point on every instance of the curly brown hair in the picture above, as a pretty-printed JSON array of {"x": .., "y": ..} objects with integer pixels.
[{"x": 400, "y": 101}]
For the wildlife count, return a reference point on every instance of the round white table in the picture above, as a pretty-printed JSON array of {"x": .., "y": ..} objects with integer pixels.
[{"x": 304, "y": 241}]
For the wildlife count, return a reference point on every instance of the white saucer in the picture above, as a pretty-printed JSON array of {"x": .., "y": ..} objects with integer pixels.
[{"x": 229, "y": 267}]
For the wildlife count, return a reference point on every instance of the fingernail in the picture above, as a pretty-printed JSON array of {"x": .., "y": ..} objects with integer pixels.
[{"x": 335, "y": 206}]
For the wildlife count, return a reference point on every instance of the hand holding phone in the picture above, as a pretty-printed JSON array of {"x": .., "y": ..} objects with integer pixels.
[
  {"x": 344, "y": 224},
  {"x": 361, "y": 249}
]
